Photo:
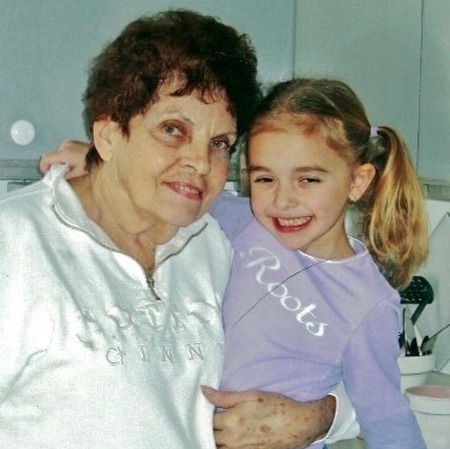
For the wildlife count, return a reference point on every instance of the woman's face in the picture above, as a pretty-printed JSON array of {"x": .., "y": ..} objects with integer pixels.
[{"x": 175, "y": 161}]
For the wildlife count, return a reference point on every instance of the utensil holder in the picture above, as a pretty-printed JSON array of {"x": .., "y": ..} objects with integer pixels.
[{"x": 414, "y": 370}]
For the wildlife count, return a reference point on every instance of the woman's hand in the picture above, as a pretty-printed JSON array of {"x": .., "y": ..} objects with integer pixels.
[
  {"x": 70, "y": 152},
  {"x": 259, "y": 420}
]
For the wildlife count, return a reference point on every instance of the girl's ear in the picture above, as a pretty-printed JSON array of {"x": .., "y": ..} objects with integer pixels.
[
  {"x": 362, "y": 177},
  {"x": 103, "y": 136}
]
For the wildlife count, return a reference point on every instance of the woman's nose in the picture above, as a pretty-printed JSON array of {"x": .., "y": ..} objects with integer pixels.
[{"x": 197, "y": 156}]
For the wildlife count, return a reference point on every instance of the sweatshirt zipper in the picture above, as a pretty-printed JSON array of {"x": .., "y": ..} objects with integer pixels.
[
  {"x": 150, "y": 278},
  {"x": 151, "y": 286}
]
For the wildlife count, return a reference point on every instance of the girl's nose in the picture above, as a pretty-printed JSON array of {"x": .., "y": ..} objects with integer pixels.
[{"x": 285, "y": 197}]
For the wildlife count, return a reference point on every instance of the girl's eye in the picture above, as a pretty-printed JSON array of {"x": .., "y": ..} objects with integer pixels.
[
  {"x": 309, "y": 180},
  {"x": 262, "y": 180}
]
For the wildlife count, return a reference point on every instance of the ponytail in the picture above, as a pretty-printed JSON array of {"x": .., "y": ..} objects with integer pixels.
[{"x": 394, "y": 220}]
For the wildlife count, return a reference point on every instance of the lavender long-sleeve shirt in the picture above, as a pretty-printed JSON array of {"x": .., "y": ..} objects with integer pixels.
[{"x": 299, "y": 325}]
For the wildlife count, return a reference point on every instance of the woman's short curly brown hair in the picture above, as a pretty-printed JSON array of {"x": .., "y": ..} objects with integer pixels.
[{"x": 206, "y": 54}]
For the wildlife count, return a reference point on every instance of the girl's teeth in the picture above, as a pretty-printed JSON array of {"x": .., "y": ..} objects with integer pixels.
[{"x": 293, "y": 221}]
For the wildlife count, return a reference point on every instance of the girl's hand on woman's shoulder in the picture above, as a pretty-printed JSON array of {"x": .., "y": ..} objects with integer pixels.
[{"x": 70, "y": 152}]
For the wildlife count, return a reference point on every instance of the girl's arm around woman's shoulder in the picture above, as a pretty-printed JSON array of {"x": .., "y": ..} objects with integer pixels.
[
  {"x": 70, "y": 152},
  {"x": 232, "y": 212}
]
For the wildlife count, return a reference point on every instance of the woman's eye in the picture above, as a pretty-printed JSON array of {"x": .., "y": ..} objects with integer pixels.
[
  {"x": 221, "y": 145},
  {"x": 171, "y": 129}
]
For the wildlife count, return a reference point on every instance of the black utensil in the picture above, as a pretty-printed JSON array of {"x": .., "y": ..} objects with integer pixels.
[
  {"x": 413, "y": 348},
  {"x": 420, "y": 292}
]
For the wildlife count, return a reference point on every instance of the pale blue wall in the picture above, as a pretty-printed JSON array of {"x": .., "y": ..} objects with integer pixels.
[{"x": 46, "y": 46}]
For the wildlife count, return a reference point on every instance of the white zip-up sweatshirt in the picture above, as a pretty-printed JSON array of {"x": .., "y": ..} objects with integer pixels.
[{"x": 93, "y": 354}]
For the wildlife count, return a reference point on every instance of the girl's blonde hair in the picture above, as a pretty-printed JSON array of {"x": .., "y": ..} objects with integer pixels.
[{"x": 393, "y": 220}]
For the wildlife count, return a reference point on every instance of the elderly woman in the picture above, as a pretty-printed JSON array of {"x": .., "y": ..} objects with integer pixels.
[{"x": 110, "y": 302}]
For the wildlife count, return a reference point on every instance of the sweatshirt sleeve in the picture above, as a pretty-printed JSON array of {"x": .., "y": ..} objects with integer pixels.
[
  {"x": 372, "y": 380},
  {"x": 26, "y": 328}
]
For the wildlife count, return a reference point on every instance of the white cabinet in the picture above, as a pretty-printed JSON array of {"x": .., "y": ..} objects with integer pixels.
[
  {"x": 46, "y": 47},
  {"x": 396, "y": 55},
  {"x": 434, "y": 135}
]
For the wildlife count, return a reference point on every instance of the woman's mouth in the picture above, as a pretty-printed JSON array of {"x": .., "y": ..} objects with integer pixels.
[{"x": 187, "y": 190}]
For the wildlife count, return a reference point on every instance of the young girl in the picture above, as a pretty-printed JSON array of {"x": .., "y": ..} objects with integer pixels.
[{"x": 308, "y": 306}]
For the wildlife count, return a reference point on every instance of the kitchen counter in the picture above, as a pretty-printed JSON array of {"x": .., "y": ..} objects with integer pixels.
[
  {"x": 434, "y": 378},
  {"x": 357, "y": 443}
]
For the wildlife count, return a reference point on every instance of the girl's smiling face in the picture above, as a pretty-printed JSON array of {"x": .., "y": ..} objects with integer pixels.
[{"x": 299, "y": 189}]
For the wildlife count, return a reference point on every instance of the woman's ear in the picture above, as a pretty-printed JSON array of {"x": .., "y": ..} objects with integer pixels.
[
  {"x": 362, "y": 177},
  {"x": 103, "y": 136}
]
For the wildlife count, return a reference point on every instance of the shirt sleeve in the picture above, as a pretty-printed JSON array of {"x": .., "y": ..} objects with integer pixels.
[
  {"x": 232, "y": 212},
  {"x": 372, "y": 380},
  {"x": 345, "y": 426}
]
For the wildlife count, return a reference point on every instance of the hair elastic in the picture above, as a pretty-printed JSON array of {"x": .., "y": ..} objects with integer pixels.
[{"x": 375, "y": 146}]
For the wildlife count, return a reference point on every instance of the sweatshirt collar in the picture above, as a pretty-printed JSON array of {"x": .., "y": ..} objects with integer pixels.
[{"x": 68, "y": 208}]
